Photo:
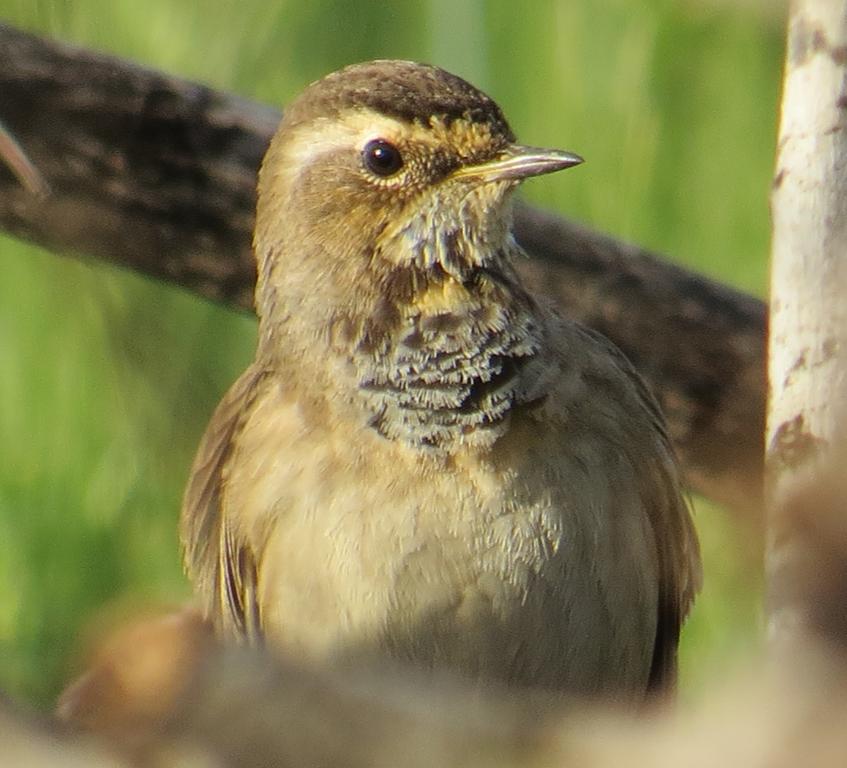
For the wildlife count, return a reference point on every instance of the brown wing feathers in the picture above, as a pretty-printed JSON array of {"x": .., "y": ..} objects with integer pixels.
[{"x": 221, "y": 568}]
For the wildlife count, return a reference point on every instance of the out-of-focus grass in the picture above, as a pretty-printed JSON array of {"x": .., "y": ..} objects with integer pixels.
[
  {"x": 107, "y": 379},
  {"x": 102, "y": 396}
]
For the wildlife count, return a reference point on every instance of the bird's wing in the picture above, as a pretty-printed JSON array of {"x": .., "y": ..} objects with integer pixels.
[
  {"x": 221, "y": 567},
  {"x": 643, "y": 437},
  {"x": 669, "y": 512}
]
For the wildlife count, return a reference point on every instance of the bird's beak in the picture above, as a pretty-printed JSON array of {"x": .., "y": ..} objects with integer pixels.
[{"x": 518, "y": 162}]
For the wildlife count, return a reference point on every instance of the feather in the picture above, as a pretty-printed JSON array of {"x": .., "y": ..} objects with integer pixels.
[{"x": 221, "y": 567}]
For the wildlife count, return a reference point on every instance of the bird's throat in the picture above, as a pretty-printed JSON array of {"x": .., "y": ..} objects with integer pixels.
[{"x": 441, "y": 367}]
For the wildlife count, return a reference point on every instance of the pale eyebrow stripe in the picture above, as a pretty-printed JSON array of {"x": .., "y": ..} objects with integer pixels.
[{"x": 354, "y": 129}]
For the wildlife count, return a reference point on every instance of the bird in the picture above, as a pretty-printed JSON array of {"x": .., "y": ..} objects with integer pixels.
[{"x": 426, "y": 463}]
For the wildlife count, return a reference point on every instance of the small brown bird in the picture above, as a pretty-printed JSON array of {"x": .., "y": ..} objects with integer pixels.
[{"x": 425, "y": 462}]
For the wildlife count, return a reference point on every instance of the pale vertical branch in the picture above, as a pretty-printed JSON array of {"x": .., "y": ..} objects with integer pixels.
[{"x": 808, "y": 344}]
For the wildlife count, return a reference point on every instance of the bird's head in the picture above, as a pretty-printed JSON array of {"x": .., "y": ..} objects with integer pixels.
[{"x": 382, "y": 178}]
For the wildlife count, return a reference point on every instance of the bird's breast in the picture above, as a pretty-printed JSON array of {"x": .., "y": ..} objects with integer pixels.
[{"x": 516, "y": 567}]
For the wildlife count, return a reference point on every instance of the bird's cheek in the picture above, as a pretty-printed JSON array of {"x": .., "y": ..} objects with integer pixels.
[{"x": 479, "y": 199}]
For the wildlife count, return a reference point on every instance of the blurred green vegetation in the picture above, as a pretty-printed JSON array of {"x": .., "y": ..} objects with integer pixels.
[{"x": 107, "y": 378}]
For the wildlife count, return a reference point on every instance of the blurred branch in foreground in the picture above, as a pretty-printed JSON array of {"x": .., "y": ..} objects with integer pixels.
[
  {"x": 158, "y": 174},
  {"x": 163, "y": 693}
]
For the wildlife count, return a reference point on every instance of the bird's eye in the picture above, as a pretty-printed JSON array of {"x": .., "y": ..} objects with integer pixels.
[{"x": 382, "y": 157}]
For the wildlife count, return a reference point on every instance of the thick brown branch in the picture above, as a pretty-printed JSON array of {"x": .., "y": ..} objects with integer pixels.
[{"x": 158, "y": 174}]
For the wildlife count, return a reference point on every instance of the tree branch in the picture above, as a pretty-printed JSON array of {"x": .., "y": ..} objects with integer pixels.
[{"x": 158, "y": 174}]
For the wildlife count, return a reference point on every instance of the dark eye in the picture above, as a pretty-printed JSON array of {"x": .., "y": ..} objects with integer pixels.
[{"x": 382, "y": 158}]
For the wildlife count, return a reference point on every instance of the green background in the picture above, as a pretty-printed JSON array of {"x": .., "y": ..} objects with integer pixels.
[{"x": 107, "y": 379}]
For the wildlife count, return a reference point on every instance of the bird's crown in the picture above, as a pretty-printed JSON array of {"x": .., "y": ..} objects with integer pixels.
[{"x": 405, "y": 90}]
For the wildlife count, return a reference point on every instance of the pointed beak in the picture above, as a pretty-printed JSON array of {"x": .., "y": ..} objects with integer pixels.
[{"x": 519, "y": 162}]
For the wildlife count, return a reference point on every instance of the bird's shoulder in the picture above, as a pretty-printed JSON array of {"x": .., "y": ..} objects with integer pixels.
[{"x": 582, "y": 375}]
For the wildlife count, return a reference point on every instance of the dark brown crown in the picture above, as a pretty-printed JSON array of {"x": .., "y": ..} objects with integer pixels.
[{"x": 400, "y": 89}]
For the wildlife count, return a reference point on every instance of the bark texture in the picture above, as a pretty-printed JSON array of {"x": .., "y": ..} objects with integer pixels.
[{"x": 808, "y": 346}]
